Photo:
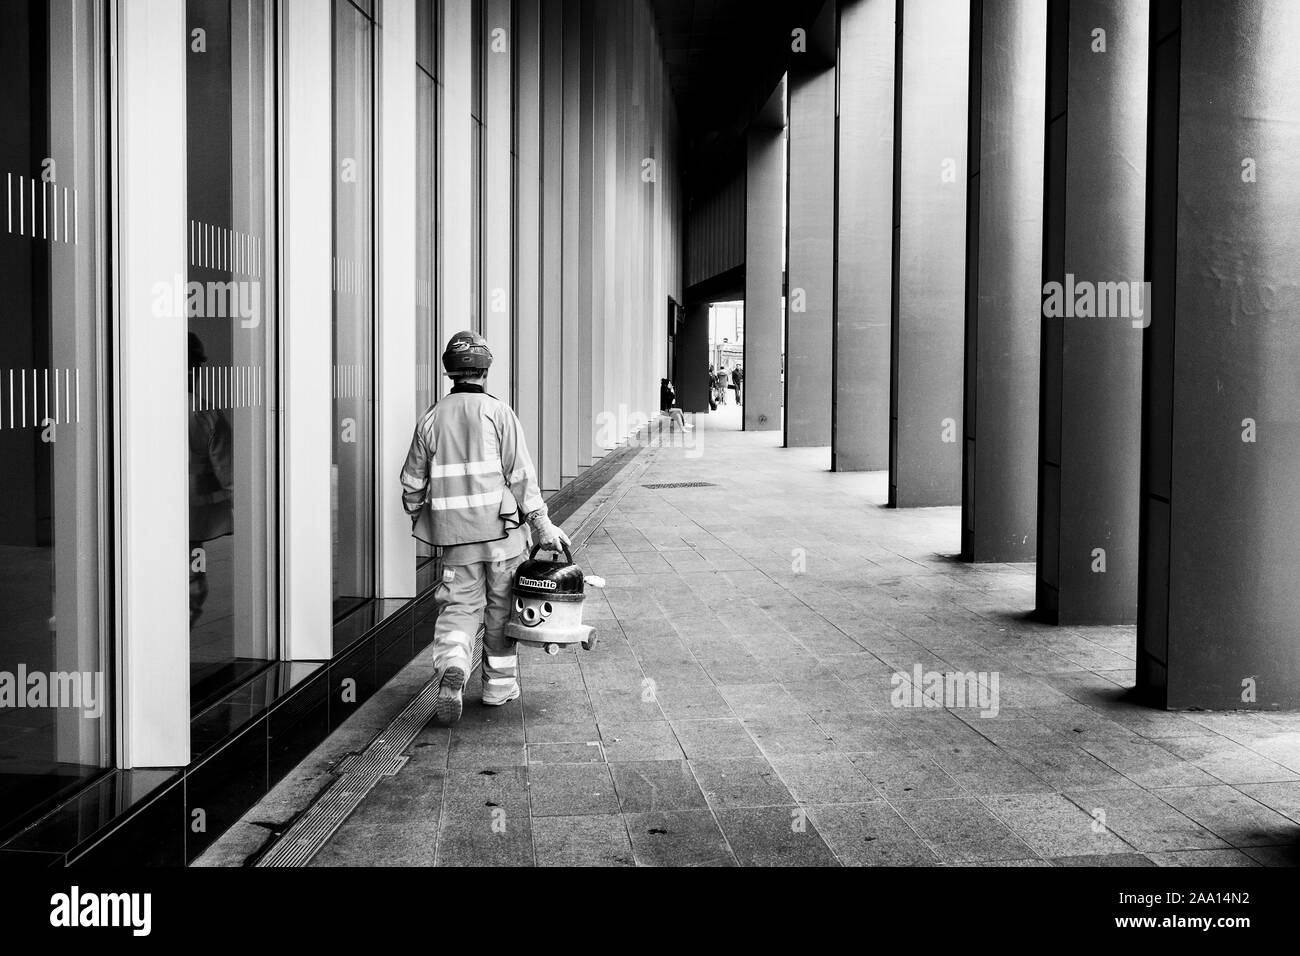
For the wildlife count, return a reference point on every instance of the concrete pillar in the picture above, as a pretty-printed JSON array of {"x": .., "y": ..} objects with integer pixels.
[
  {"x": 929, "y": 252},
  {"x": 607, "y": 278},
  {"x": 576, "y": 234},
  {"x": 555, "y": 242},
  {"x": 810, "y": 237},
  {"x": 1221, "y": 399},
  {"x": 528, "y": 224},
  {"x": 1093, "y": 238},
  {"x": 154, "y": 706},
  {"x": 764, "y": 265},
  {"x": 456, "y": 280},
  {"x": 498, "y": 199},
  {"x": 396, "y": 382},
  {"x": 864, "y": 236},
  {"x": 307, "y": 385},
  {"x": 1004, "y": 263}
]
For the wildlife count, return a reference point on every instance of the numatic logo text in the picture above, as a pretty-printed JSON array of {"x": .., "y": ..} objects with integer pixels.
[
  {"x": 63, "y": 689},
  {"x": 131, "y": 910},
  {"x": 534, "y": 583},
  {"x": 954, "y": 691}
]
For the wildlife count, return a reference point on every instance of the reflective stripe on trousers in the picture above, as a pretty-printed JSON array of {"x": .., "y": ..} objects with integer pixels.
[{"x": 470, "y": 595}]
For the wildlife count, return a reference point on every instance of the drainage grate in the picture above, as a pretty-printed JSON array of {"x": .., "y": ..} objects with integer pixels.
[
  {"x": 681, "y": 484},
  {"x": 358, "y": 775},
  {"x": 310, "y": 833}
]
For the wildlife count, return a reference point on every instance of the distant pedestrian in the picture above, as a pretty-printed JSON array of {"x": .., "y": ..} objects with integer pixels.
[
  {"x": 719, "y": 386},
  {"x": 668, "y": 403},
  {"x": 738, "y": 381},
  {"x": 713, "y": 389}
]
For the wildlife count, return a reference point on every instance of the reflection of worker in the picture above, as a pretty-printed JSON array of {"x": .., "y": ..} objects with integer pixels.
[
  {"x": 211, "y": 484},
  {"x": 469, "y": 486}
]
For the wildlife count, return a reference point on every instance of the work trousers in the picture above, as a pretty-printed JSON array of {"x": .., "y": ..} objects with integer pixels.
[{"x": 470, "y": 596}]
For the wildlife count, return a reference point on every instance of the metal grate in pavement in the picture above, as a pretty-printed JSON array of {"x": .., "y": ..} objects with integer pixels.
[
  {"x": 681, "y": 484},
  {"x": 358, "y": 775}
]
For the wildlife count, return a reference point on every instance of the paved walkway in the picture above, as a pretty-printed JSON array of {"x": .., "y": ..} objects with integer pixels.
[{"x": 742, "y": 705}]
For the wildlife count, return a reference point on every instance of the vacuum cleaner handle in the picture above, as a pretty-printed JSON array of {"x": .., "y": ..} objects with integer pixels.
[{"x": 538, "y": 547}]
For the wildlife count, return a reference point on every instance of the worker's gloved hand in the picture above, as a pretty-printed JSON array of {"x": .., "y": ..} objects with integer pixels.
[{"x": 547, "y": 534}]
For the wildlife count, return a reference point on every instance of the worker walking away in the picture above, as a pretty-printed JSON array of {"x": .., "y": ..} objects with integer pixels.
[{"x": 471, "y": 490}]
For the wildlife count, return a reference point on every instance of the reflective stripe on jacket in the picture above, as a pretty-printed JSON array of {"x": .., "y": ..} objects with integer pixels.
[{"x": 468, "y": 473}]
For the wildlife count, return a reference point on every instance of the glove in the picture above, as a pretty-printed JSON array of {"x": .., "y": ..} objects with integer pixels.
[{"x": 547, "y": 534}]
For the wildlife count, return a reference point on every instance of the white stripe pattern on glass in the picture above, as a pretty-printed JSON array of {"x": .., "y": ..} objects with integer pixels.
[
  {"x": 47, "y": 229},
  {"x": 225, "y": 387},
  {"x": 350, "y": 381},
  {"x": 49, "y": 401},
  {"x": 225, "y": 250}
]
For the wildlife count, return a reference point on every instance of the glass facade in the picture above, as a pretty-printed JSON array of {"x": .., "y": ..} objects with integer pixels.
[
  {"x": 353, "y": 321},
  {"x": 427, "y": 367},
  {"x": 478, "y": 64},
  {"x": 231, "y": 322},
  {"x": 54, "y": 542},
  {"x": 428, "y": 376},
  {"x": 170, "y": 238}
]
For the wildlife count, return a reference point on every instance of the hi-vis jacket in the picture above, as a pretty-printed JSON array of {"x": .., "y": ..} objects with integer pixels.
[{"x": 468, "y": 476}]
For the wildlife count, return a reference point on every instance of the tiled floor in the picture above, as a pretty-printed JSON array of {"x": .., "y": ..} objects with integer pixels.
[{"x": 739, "y": 708}]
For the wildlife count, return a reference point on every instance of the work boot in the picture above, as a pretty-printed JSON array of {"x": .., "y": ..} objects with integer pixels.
[
  {"x": 498, "y": 696},
  {"x": 447, "y": 708}
]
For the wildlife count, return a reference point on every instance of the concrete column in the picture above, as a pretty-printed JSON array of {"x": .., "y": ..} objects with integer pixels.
[
  {"x": 603, "y": 119},
  {"x": 528, "y": 223},
  {"x": 498, "y": 198},
  {"x": 765, "y": 265},
  {"x": 576, "y": 231},
  {"x": 307, "y": 224},
  {"x": 153, "y": 641},
  {"x": 456, "y": 172},
  {"x": 930, "y": 251},
  {"x": 1093, "y": 238},
  {"x": 596, "y": 335},
  {"x": 1004, "y": 263},
  {"x": 810, "y": 297},
  {"x": 1221, "y": 399},
  {"x": 864, "y": 237},
  {"x": 396, "y": 353},
  {"x": 556, "y": 286}
]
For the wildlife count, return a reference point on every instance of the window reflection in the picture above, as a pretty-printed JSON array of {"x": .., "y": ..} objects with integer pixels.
[
  {"x": 427, "y": 368},
  {"x": 54, "y": 710},
  {"x": 229, "y": 296},
  {"x": 353, "y": 472}
]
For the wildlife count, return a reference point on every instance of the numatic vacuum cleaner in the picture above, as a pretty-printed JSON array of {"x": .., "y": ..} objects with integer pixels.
[{"x": 547, "y": 610}]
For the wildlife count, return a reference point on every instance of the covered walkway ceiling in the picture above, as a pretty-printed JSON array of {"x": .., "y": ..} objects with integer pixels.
[{"x": 724, "y": 59}]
